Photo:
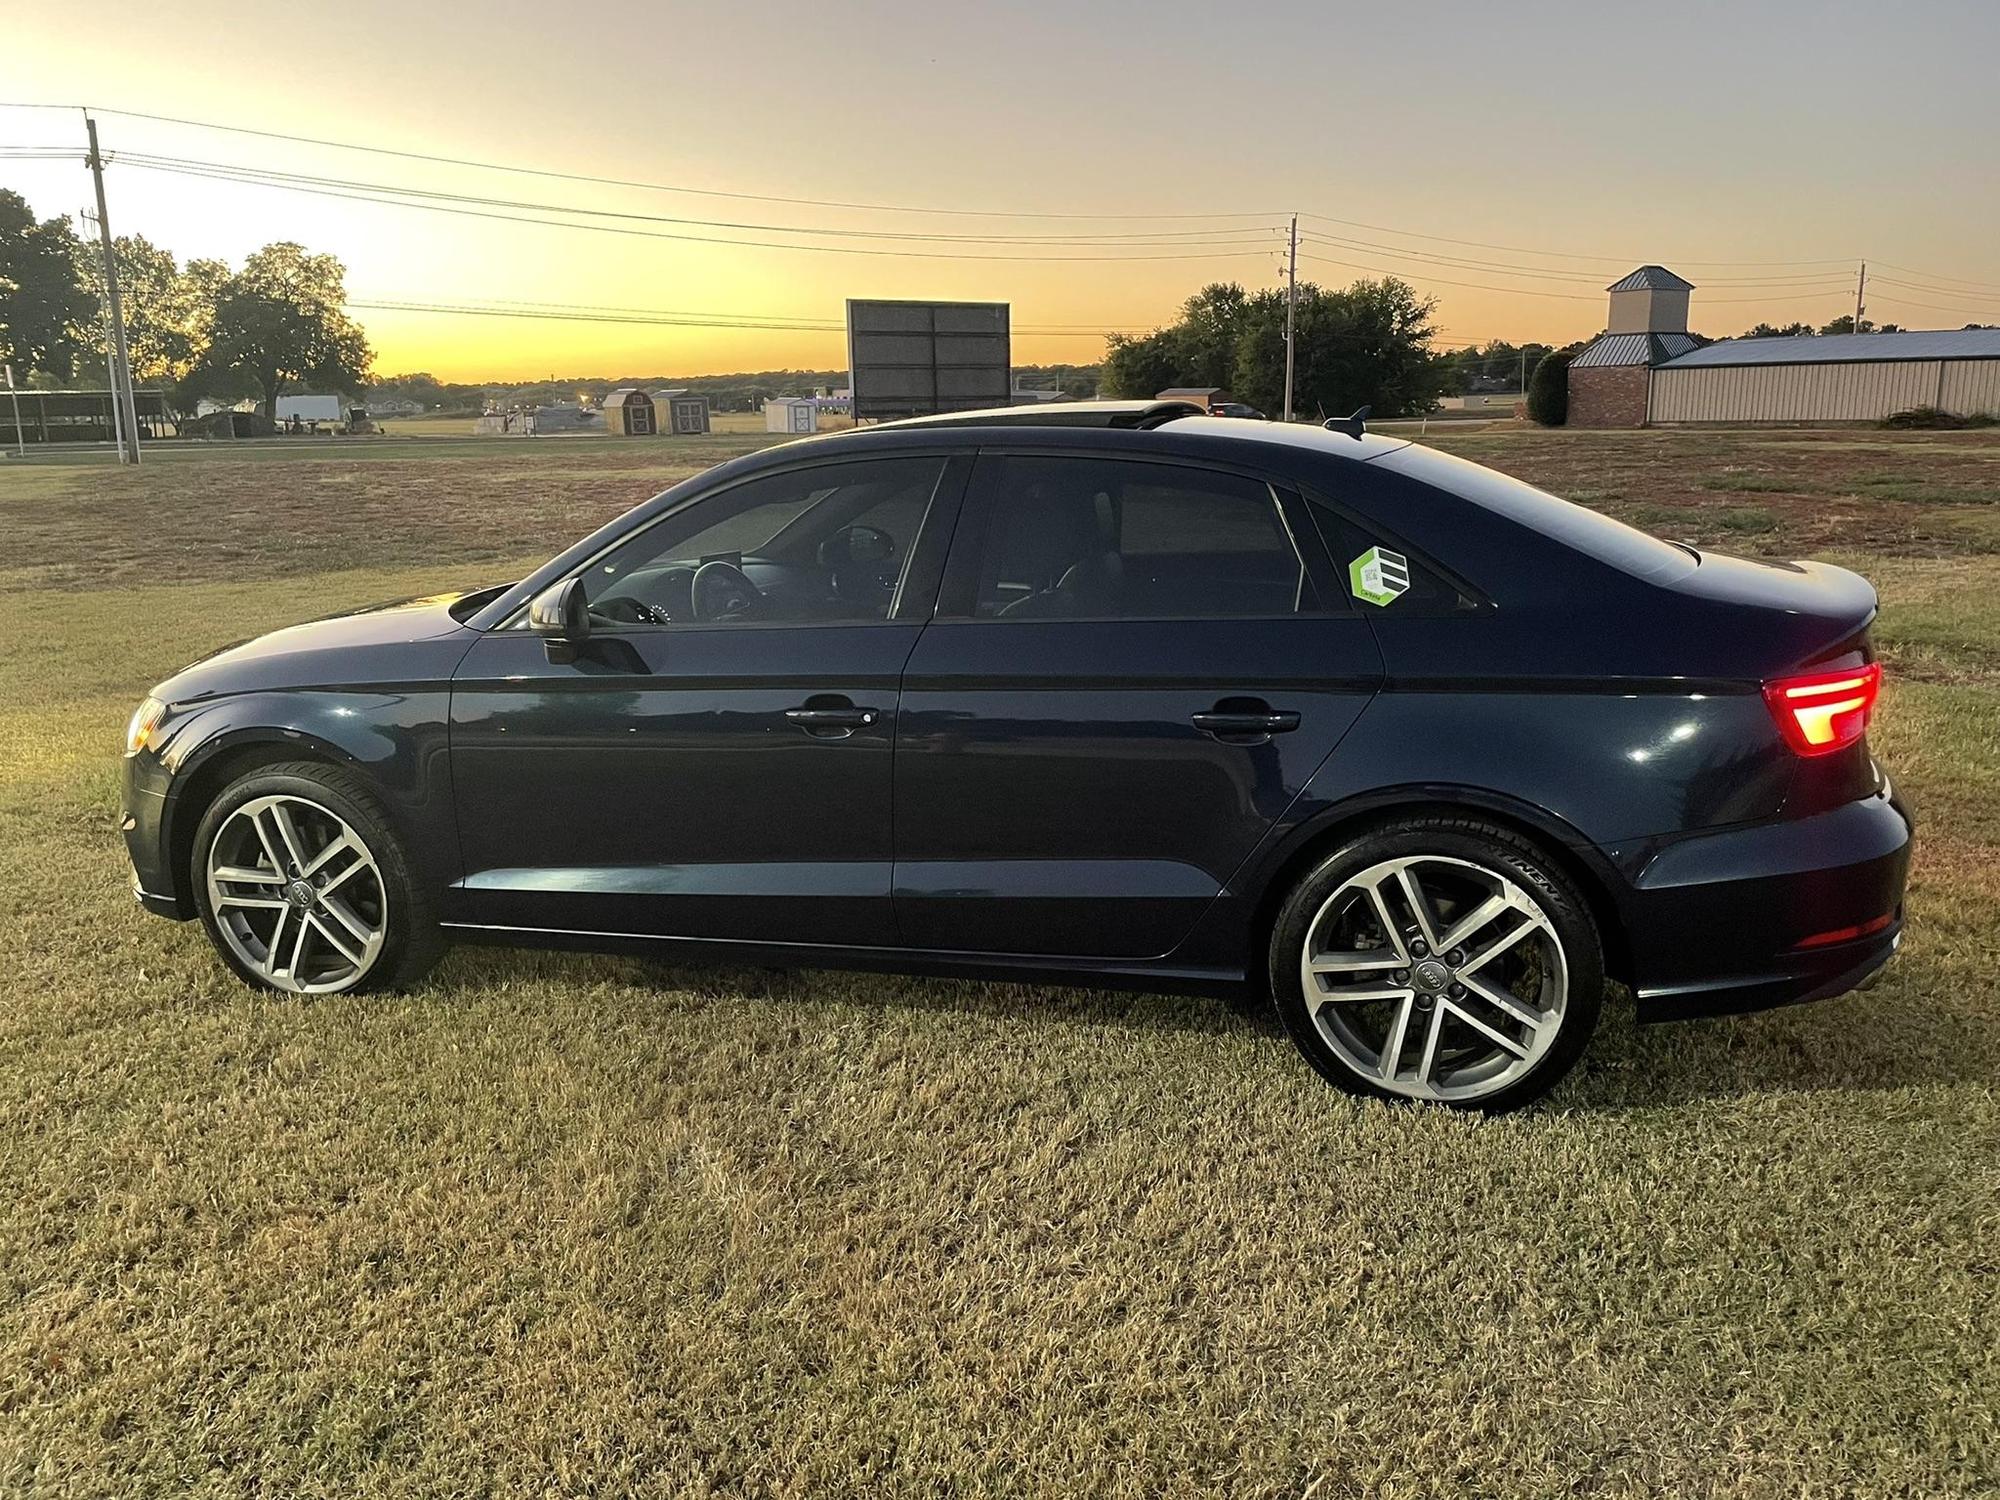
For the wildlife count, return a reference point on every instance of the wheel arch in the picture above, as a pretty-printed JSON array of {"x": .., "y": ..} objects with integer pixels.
[
  {"x": 214, "y": 766},
  {"x": 1558, "y": 840}
]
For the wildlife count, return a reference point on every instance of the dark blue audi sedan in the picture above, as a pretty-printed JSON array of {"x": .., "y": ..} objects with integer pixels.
[{"x": 1111, "y": 694}]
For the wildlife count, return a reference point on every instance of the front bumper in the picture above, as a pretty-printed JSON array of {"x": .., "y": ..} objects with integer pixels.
[
  {"x": 143, "y": 798},
  {"x": 1715, "y": 920}
]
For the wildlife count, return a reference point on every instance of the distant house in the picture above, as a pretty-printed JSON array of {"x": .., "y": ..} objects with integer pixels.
[
  {"x": 628, "y": 412},
  {"x": 681, "y": 412}
]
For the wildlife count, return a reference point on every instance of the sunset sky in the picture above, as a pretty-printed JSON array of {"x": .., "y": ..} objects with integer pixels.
[{"x": 1759, "y": 149}]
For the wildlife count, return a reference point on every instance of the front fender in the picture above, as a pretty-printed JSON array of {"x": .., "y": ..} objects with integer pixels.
[{"x": 397, "y": 741}]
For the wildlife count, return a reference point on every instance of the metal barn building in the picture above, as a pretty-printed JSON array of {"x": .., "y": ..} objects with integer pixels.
[
  {"x": 1843, "y": 377},
  {"x": 74, "y": 416},
  {"x": 1646, "y": 369}
]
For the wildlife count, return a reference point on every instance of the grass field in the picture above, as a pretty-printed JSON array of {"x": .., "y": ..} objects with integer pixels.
[{"x": 561, "y": 1225}]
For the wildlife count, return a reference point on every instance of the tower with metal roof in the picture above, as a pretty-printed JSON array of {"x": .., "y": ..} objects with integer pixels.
[{"x": 1647, "y": 326}]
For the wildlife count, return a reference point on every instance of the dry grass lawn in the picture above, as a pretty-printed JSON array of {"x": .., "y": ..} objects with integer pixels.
[{"x": 560, "y": 1225}]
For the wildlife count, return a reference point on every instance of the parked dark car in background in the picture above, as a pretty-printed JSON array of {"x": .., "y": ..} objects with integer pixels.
[
  {"x": 1103, "y": 694},
  {"x": 1237, "y": 409}
]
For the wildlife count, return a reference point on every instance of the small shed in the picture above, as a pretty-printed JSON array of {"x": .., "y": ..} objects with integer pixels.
[
  {"x": 628, "y": 412},
  {"x": 681, "y": 412},
  {"x": 791, "y": 414},
  {"x": 1203, "y": 396}
]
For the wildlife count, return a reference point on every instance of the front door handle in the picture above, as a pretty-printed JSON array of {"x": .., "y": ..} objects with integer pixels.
[
  {"x": 1245, "y": 726},
  {"x": 833, "y": 719}
]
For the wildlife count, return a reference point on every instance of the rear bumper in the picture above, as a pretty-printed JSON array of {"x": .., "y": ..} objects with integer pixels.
[{"x": 1716, "y": 921}]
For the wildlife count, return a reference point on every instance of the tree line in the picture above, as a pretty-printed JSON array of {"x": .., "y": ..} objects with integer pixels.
[{"x": 196, "y": 331}]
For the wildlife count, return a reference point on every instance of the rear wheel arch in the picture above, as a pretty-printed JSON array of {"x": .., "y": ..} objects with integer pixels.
[{"x": 1556, "y": 840}]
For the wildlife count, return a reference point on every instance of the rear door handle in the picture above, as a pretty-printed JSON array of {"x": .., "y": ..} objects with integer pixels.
[{"x": 1246, "y": 726}]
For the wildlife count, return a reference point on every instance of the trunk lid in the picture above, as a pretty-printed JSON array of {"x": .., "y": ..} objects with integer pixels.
[{"x": 1792, "y": 614}]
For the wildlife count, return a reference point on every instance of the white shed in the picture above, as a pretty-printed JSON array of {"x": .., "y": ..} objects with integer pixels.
[{"x": 791, "y": 414}]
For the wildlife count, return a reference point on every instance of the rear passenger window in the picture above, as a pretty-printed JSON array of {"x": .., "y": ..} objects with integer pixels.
[
  {"x": 1379, "y": 574},
  {"x": 1095, "y": 539}
]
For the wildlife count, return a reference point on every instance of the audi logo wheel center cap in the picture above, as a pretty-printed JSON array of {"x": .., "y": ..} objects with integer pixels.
[{"x": 1431, "y": 976}]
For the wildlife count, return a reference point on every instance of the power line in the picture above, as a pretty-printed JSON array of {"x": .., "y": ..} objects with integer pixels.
[
  {"x": 873, "y": 207},
  {"x": 1519, "y": 291},
  {"x": 1936, "y": 276},
  {"x": 805, "y": 318},
  {"x": 1969, "y": 315},
  {"x": 699, "y": 239},
  {"x": 655, "y": 187},
  {"x": 1578, "y": 278},
  {"x": 643, "y": 318},
  {"x": 275, "y": 178},
  {"x": 1624, "y": 260}
]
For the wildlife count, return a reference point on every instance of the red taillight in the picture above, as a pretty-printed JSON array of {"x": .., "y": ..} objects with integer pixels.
[
  {"x": 1821, "y": 712},
  {"x": 1847, "y": 934}
]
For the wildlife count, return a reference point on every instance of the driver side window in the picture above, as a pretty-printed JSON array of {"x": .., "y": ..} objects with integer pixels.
[{"x": 826, "y": 543}]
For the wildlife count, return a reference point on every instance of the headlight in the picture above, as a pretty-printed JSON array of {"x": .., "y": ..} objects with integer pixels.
[{"x": 145, "y": 719}]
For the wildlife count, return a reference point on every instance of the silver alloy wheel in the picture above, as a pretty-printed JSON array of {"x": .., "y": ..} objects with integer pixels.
[
  {"x": 1435, "y": 977},
  {"x": 297, "y": 895}
]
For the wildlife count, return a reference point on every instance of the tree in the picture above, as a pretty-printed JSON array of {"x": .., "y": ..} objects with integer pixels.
[
  {"x": 1140, "y": 367},
  {"x": 1464, "y": 369},
  {"x": 47, "y": 314},
  {"x": 1365, "y": 346},
  {"x": 167, "y": 310},
  {"x": 279, "y": 321},
  {"x": 1548, "y": 390}
]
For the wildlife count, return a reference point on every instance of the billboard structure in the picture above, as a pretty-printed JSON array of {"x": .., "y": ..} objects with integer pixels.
[{"x": 915, "y": 359}]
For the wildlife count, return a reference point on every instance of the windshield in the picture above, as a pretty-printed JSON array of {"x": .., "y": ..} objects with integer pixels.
[{"x": 1587, "y": 531}]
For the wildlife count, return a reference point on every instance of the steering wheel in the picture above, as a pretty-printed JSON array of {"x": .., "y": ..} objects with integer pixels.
[
  {"x": 624, "y": 611},
  {"x": 723, "y": 591}
]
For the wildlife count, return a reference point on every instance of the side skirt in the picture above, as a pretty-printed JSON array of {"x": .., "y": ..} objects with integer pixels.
[{"x": 1010, "y": 968}]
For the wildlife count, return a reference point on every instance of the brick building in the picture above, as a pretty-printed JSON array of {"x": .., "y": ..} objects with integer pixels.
[{"x": 1610, "y": 381}]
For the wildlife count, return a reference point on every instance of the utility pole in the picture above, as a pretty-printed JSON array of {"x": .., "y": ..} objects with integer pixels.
[
  {"x": 83, "y": 217},
  {"x": 1860, "y": 286},
  {"x": 1291, "y": 307},
  {"x": 125, "y": 408},
  {"x": 20, "y": 437}
]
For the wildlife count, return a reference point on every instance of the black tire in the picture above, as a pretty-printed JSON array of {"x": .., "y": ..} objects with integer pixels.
[
  {"x": 412, "y": 941},
  {"x": 1453, "y": 838}
]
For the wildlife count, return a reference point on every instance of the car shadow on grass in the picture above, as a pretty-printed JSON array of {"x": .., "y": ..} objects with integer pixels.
[{"x": 1886, "y": 1038}]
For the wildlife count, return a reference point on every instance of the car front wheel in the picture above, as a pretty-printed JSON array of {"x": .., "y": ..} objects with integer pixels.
[
  {"x": 1439, "y": 958},
  {"x": 303, "y": 887}
]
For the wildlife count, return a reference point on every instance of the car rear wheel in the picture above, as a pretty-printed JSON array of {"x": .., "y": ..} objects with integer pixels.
[
  {"x": 1441, "y": 959},
  {"x": 304, "y": 889}
]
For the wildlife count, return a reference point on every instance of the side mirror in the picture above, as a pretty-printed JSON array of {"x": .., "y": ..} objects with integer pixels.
[{"x": 560, "y": 615}]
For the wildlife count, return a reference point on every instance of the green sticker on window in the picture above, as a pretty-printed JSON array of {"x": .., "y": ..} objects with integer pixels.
[{"x": 1379, "y": 576}]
